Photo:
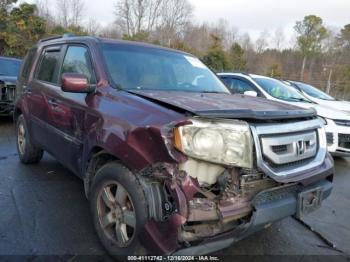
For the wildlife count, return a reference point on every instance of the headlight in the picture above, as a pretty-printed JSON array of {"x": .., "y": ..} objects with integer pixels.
[{"x": 228, "y": 143}]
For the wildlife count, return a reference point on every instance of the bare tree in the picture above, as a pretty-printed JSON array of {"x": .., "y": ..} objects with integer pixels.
[
  {"x": 77, "y": 10},
  {"x": 197, "y": 37},
  {"x": 93, "y": 27},
  {"x": 70, "y": 12},
  {"x": 164, "y": 18},
  {"x": 154, "y": 10},
  {"x": 63, "y": 12},
  {"x": 44, "y": 11},
  {"x": 174, "y": 16},
  {"x": 246, "y": 42},
  {"x": 262, "y": 42},
  {"x": 133, "y": 16},
  {"x": 278, "y": 38}
]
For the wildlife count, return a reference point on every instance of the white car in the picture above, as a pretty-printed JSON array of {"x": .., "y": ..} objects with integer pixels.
[
  {"x": 319, "y": 97},
  {"x": 337, "y": 122}
]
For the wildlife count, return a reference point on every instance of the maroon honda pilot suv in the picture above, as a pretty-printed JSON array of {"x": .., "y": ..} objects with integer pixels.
[{"x": 171, "y": 162}]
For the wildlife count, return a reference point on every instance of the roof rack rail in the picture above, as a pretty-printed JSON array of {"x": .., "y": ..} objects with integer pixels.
[{"x": 56, "y": 37}]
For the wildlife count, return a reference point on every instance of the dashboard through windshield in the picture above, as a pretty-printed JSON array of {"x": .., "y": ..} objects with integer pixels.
[{"x": 277, "y": 89}]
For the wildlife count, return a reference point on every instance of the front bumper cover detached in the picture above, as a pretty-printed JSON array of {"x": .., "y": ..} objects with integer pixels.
[{"x": 270, "y": 205}]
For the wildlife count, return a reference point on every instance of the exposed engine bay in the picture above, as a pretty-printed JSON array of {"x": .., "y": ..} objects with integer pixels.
[{"x": 206, "y": 198}]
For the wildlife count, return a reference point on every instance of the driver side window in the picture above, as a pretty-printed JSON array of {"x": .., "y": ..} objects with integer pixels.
[{"x": 77, "y": 60}]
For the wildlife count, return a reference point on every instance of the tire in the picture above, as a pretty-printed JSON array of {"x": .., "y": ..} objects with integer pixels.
[
  {"x": 28, "y": 153},
  {"x": 119, "y": 210}
]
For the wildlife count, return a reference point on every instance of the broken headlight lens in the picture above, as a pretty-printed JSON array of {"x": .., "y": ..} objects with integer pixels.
[{"x": 228, "y": 143}]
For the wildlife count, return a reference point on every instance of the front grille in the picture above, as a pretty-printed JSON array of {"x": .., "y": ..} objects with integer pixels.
[
  {"x": 290, "y": 165},
  {"x": 289, "y": 150},
  {"x": 7, "y": 92},
  {"x": 344, "y": 141},
  {"x": 330, "y": 139},
  {"x": 280, "y": 149}
]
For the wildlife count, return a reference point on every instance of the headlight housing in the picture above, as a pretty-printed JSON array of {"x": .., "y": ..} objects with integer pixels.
[{"x": 228, "y": 143}]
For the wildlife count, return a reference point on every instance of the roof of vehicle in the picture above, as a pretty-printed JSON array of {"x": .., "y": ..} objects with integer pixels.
[
  {"x": 233, "y": 74},
  {"x": 66, "y": 38},
  {"x": 244, "y": 75},
  {"x": 11, "y": 58}
]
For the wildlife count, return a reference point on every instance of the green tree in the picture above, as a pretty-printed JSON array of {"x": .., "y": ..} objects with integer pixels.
[
  {"x": 5, "y": 6},
  {"x": 344, "y": 36},
  {"x": 236, "y": 56},
  {"x": 141, "y": 36},
  {"x": 216, "y": 58},
  {"x": 23, "y": 28},
  {"x": 311, "y": 32},
  {"x": 274, "y": 71},
  {"x": 60, "y": 30}
]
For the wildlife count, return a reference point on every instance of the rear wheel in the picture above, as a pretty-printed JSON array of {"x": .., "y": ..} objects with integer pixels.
[
  {"x": 119, "y": 209},
  {"x": 28, "y": 153}
]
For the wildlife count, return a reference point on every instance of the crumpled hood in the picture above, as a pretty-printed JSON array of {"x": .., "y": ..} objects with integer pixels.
[
  {"x": 224, "y": 105},
  {"x": 325, "y": 112},
  {"x": 8, "y": 79}
]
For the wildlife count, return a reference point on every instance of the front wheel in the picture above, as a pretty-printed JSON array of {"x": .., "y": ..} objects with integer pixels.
[
  {"x": 119, "y": 209},
  {"x": 27, "y": 151}
]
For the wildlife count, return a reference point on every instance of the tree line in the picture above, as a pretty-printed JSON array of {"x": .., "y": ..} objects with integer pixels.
[{"x": 319, "y": 55}]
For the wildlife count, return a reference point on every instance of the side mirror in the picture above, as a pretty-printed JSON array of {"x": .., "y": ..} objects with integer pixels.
[
  {"x": 76, "y": 83},
  {"x": 251, "y": 93}
]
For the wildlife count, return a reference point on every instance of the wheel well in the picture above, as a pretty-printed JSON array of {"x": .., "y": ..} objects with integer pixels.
[{"x": 97, "y": 158}]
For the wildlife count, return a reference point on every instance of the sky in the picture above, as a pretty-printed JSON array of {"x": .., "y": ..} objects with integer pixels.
[{"x": 252, "y": 16}]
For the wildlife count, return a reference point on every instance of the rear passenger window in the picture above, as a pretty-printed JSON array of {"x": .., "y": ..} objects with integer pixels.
[
  {"x": 27, "y": 65},
  {"x": 48, "y": 66},
  {"x": 77, "y": 60}
]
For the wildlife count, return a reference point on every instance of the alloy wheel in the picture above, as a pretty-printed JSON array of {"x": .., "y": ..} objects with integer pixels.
[{"x": 116, "y": 214}]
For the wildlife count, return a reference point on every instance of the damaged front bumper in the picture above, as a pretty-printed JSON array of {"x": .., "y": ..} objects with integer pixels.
[
  {"x": 269, "y": 206},
  {"x": 198, "y": 207},
  {"x": 190, "y": 230}
]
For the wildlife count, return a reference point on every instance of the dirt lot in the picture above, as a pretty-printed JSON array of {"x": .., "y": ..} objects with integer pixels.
[{"x": 44, "y": 212}]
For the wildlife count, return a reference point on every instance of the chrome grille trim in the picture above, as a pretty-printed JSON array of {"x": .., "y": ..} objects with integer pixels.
[
  {"x": 298, "y": 147},
  {"x": 289, "y": 129}
]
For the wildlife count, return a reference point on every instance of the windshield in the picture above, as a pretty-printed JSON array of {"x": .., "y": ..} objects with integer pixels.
[
  {"x": 144, "y": 68},
  {"x": 313, "y": 91},
  {"x": 9, "y": 67},
  {"x": 279, "y": 90}
]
